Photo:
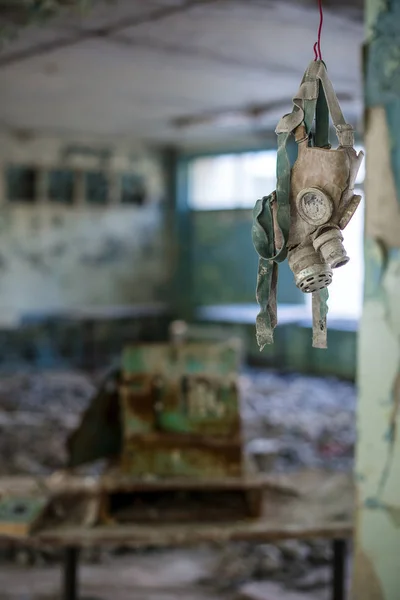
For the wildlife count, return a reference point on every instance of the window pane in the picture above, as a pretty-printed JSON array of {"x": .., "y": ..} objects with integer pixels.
[
  {"x": 96, "y": 188},
  {"x": 231, "y": 181},
  {"x": 20, "y": 184},
  {"x": 61, "y": 186},
  {"x": 132, "y": 189}
]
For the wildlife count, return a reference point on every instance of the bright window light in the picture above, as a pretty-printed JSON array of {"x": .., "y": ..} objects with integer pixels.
[{"x": 230, "y": 181}]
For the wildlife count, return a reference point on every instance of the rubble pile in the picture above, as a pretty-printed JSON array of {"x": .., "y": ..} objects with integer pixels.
[
  {"x": 301, "y": 421},
  {"x": 296, "y": 564},
  {"x": 37, "y": 411}
]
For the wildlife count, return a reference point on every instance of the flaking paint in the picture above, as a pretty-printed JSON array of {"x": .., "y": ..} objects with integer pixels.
[
  {"x": 377, "y": 555},
  {"x": 56, "y": 258}
]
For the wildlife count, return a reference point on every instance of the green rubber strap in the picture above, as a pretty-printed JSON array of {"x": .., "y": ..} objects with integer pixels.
[
  {"x": 283, "y": 168},
  {"x": 262, "y": 231},
  {"x": 267, "y": 279},
  {"x": 264, "y": 239},
  {"x": 320, "y": 298},
  {"x": 267, "y": 276},
  {"x": 319, "y": 314}
]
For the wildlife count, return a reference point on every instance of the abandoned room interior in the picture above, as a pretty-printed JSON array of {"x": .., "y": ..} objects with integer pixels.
[{"x": 184, "y": 412}]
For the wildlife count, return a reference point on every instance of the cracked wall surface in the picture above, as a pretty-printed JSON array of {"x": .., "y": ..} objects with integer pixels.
[
  {"x": 377, "y": 555},
  {"x": 55, "y": 257}
]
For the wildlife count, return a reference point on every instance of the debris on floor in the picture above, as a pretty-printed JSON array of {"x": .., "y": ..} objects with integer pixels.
[
  {"x": 289, "y": 422},
  {"x": 273, "y": 591}
]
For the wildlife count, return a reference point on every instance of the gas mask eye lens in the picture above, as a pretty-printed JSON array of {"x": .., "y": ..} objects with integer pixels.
[{"x": 314, "y": 206}]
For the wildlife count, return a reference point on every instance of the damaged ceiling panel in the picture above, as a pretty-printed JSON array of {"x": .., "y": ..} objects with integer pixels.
[{"x": 142, "y": 69}]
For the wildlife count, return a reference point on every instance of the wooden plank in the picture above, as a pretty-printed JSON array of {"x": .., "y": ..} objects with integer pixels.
[
  {"x": 323, "y": 507},
  {"x": 63, "y": 483},
  {"x": 14, "y": 530},
  {"x": 188, "y": 534}
]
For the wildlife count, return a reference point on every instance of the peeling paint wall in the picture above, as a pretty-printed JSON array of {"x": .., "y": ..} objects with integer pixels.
[
  {"x": 377, "y": 556},
  {"x": 55, "y": 257}
]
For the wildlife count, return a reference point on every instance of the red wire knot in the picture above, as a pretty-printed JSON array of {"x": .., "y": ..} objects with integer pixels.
[{"x": 317, "y": 45}]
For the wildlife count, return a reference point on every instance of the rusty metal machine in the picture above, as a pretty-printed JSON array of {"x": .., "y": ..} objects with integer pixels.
[
  {"x": 180, "y": 413},
  {"x": 169, "y": 422},
  {"x": 167, "y": 425}
]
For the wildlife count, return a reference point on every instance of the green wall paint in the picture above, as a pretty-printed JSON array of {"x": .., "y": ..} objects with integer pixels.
[
  {"x": 57, "y": 256},
  {"x": 224, "y": 269},
  {"x": 377, "y": 548}
]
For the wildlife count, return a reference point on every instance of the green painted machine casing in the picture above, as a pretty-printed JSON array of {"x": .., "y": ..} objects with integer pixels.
[{"x": 180, "y": 410}]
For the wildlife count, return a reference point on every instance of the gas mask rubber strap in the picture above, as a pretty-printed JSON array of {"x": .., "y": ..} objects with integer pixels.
[
  {"x": 264, "y": 242},
  {"x": 320, "y": 297},
  {"x": 344, "y": 131},
  {"x": 319, "y": 313},
  {"x": 304, "y": 109},
  {"x": 267, "y": 279},
  {"x": 263, "y": 220}
]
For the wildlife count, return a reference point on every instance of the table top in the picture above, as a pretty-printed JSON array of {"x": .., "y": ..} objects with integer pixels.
[{"x": 302, "y": 505}]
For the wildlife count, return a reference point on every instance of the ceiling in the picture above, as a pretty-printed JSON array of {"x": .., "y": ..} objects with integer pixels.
[{"x": 175, "y": 71}]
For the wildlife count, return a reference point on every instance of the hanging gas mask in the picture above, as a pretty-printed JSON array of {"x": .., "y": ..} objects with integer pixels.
[{"x": 314, "y": 201}]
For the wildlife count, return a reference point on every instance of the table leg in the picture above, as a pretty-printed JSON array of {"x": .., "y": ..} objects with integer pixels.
[
  {"x": 70, "y": 573},
  {"x": 339, "y": 548}
]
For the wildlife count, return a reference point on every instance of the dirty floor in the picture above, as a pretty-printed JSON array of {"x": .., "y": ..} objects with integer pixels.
[{"x": 166, "y": 575}]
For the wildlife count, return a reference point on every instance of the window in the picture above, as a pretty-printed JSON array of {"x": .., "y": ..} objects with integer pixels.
[
  {"x": 61, "y": 186},
  {"x": 96, "y": 187},
  {"x": 21, "y": 184},
  {"x": 231, "y": 181},
  {"x": 132, "y": 189},
  {"x": 64, "y": 186}
]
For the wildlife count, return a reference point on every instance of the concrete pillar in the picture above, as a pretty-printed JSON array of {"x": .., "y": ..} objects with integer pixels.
[
  {"x": 377, "y": 544},
  {"x": 79, "y": 188},
  {"x": 114, "y": 183},
  {"x": 41, "y": 191}
]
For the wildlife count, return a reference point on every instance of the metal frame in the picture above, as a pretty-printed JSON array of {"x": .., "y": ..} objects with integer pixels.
[
  {"x": 70, "y": 573},
  {"x": 339, "y": 556}
]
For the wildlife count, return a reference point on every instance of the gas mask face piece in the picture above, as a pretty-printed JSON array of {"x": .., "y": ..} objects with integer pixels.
[
  {"x": 322, "y": 202},
  {"x": 314, "y": 201}
]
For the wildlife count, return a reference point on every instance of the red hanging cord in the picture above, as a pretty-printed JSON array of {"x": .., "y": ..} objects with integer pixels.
[{"x": 317, "y": 45}]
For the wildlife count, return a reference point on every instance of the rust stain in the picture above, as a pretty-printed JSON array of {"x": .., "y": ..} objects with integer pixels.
[
  {"x": 186, "y": 455},
  {"x": 366, "y": 583},
  {"x": 137, "y": 397}
]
